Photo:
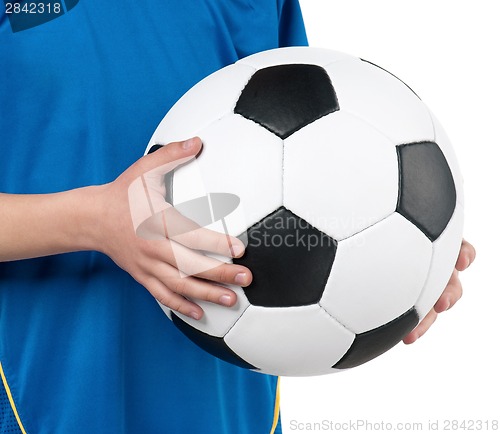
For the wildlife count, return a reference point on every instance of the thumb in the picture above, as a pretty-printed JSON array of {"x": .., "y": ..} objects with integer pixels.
[
  {"x": 147, "y": 192},
  {"x": 167, "y": 157}
]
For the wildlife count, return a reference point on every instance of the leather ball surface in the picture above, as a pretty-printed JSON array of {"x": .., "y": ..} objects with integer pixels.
[{"x": 350, "y": 203}]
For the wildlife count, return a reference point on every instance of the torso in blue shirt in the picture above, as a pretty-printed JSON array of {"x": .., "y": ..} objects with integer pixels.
[{"x": 84, "y": 348}]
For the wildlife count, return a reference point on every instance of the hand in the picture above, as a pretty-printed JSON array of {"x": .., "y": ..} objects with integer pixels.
[
  {"x": 154, "y": 262},
  {"x": 450, "y": 295}
]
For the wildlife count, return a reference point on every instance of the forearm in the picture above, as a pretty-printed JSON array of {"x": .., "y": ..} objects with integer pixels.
[
  {"x": 99, "y": 218},
  {"x": 46, "y": 224}
]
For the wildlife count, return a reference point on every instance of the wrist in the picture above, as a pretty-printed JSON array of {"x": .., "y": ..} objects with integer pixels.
[{"x": 89, "y": 216}]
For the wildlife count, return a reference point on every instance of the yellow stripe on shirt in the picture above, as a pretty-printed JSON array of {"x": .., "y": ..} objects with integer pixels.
[
  {"x": 11, "y": 400},
  {"x": 276, "y": 407}
]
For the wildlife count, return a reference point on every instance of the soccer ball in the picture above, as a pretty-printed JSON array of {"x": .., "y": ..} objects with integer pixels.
[{"x": 349, "y": 196}]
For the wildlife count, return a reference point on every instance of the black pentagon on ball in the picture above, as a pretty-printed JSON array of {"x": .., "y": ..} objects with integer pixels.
[
  {"x": 154, "y": 148},
  {"x": 290, "y": 261},
  {"x": 285, "y": 98},
  {"x": 427, "y": 195},
  {"x": 211, "y": 344},
  {"x": 373, "y": 343}
]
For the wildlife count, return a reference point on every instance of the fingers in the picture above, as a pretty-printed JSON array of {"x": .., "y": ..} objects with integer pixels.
[
  {"x": 453, "y": 291},
  {"x": 147, "y": 190},
  {"x": 166, "y": 255},
  {"x": 422, "y": 328},
  {"x": 170, "y": 299},
  {"x": 169, "y": 156},
  {"x": 147, "y": 201},
  {"x": 228, "y": 273},
  {"x": 179, "y": 293},
  {"x": 179, "y": 276},
  {"x": 451, "y": 294},
  {"x": 466, "y": 256},
  {"x": 173, "y": 269},
  {"x": 188, "y": 233},
  {"x": 193, "y": 263}
]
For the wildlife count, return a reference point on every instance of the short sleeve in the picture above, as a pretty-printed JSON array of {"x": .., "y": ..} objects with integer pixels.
[{"x": 292, "y": 30}]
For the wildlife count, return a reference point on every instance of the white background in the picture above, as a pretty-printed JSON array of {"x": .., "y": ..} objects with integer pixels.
[{"x": 447, "y": 51}]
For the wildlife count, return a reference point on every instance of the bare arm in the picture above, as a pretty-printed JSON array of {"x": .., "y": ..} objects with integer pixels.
[
  {"x": 99, "y": 218},
  {"x": 46, "y": 224}
]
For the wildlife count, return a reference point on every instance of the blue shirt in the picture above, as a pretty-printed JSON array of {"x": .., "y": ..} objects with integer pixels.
[{"x": 83, "y": 347}]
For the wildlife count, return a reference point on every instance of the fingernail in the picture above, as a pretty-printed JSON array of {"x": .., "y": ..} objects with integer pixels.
[
  {"x": 225, "y": 300},
  {"x": 237, "y": 250},
  {"x": 240, "y": 278},
  {"x": 188, "y": 144},
  {"x": 195, "y": 315}
]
